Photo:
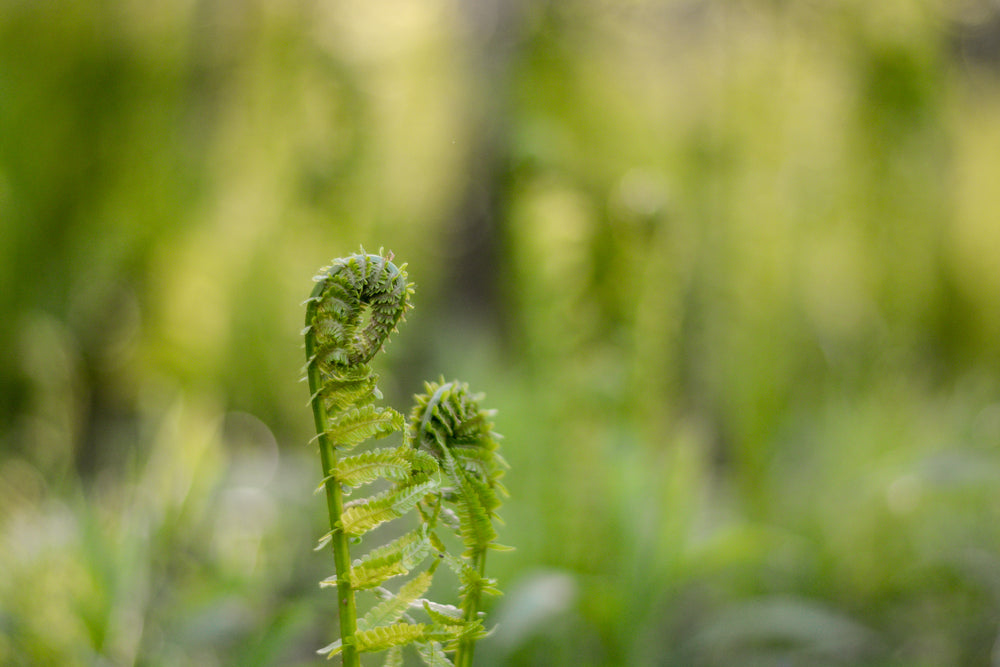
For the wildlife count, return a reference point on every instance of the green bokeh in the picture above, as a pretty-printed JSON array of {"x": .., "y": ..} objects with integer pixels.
[{"x": 727, "y": 269}]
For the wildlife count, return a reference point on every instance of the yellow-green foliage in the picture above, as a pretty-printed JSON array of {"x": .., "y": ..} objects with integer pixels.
[
  {"x": 729, "y": 267},
  {"x": 357, "y": 302}
]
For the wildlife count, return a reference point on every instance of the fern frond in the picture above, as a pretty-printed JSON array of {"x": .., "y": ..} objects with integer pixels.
[
  {"x": 366, "y": 514},
  {"x": 386, "y": 636},
  {"x": 433, "y": 655},
  {"x": 398, "y": 557},
  {"x": 394, "y": 657},
  {"x": 389, "y": 463},
  {"x": 448, "y": 423},
  {"x": 392, "y": 608},
  {"x": 356, "y": 425},
  {"x": 448, "y": 469},
  {"x": 474, "y": 504},
  {"x": 354, "y": 307}
]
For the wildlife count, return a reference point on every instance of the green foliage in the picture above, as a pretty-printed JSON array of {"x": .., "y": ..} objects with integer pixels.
[
  {"x": 395, "y": 558},
  {"x": 395, "y": 606},
  {"x": 448, "y": 422},
  {"x": 729, "y": 266},
  {"x": 393, "y": 464},
  {"x": 356, "y": 304},
  {"x": 357, "y": 424},
  {"x": 366, "y": 514}
]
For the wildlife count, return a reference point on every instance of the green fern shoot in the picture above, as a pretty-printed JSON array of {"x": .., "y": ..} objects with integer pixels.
[
  {"x": 447, "y": 469},
  {"x": 448, "y": 422}
]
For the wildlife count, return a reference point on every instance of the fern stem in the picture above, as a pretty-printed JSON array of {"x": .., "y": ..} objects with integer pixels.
[
  {"x": 346, "y": 605},
  {"x": 470, "y": 609}
]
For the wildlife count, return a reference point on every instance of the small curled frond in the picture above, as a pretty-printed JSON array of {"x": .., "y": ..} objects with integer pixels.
[
  {"x": 354, "y": 307},
  {"x": 345, "y": 292},
  {"x": 448, "y": 423}
]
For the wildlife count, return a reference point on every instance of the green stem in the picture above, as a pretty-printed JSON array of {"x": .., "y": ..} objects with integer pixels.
[
  {"x": 335, "y": 507},
  {"x": 470, "y": 607}
]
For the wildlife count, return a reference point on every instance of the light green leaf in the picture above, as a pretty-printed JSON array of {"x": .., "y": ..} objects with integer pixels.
[
  {"x": 398, "y": 557},
  {"x": 363, "y": 515},
  {"x": 356, "y": 425},
  {"x": 392, "y": 609},
  {"x": 394, "y": 657},
  {"x": 389, "y": 463},
  {"x": 433, "y": 655},
  {"x": 387, "y": 636}
]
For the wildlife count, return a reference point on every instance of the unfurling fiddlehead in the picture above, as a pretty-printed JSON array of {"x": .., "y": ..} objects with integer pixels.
[
  {"x": 449, "y": 459},
  {"x": 448, "y": 423},
  {"x": 339, "y": 345}
]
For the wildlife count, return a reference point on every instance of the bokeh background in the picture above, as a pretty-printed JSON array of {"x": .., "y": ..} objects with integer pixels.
[{"x": 728, "y": 269}]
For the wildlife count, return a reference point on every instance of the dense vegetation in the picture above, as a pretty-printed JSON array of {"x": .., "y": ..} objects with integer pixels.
[{"x": 727, "y": 269}]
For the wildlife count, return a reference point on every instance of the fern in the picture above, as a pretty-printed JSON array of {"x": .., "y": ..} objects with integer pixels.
[
  {"x": 448, "y": 423},
  {"x": 395, "y": 464},
  {"x": 356, "y": 304},
  {"x": 398, "y": 557},
  {"x": 361, "y": 516},
  {"x": 393, "y": 607},
  {"x": 447, "y": 469}
]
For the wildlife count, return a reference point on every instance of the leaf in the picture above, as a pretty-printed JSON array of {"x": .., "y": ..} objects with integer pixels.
[
  {"x": 396, "y": 558},
  {"x": 433, "y": 655},
  {"x": 394, "y": 657},
  {"x": 323, "y": 541},
  {"x": 389, "y": 463},
  {"x": 363, "y": 515},
  {"x": 331, "y": 650},
  {"x": 442, "y": 614},
  {"x": 341, "y": 395},
  {"x": 386, "y": 636},
  {"x": 392, "y": 609},
  {"x": 406, "y": 497},
  {"x": 363, "y": 423}
]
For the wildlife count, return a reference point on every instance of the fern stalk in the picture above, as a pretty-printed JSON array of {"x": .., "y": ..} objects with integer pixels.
[
  {"x": 470, "y": 609},
  {"x": 335, "y": 507}
]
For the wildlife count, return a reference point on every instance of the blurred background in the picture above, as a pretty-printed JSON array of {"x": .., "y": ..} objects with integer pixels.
[{"x": 726, "y": 268}]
